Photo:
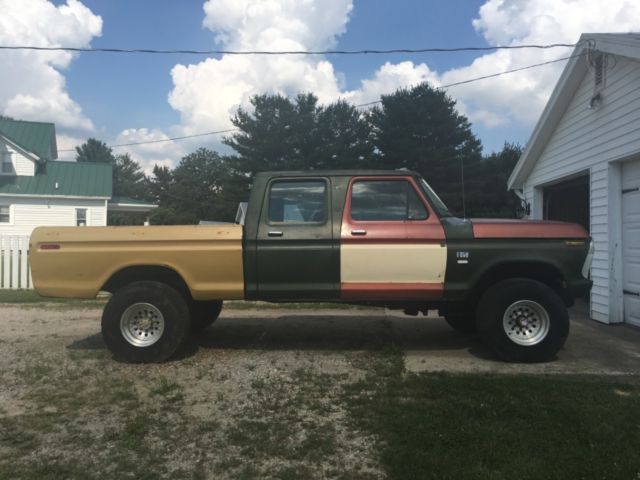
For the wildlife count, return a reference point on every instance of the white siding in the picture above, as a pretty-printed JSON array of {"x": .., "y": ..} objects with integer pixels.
[
  {"x": 587, "y": 140},
  {"x": 30, "y": 212},
  {"x": 22, "y": 165}
]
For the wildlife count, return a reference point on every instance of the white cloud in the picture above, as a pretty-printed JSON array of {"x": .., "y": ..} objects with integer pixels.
[
  {"x": 32, "y": 86},
  {"x": 67, "y": 145},
  {"x": 521, "y": 96},
  {"x": 389, "y": 78},
  {"x": 208, "y": 93},
  {"x": 150, "y": 154}
]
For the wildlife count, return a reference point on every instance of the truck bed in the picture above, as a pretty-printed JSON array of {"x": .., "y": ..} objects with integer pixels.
[{"x": 78, "y": 261}]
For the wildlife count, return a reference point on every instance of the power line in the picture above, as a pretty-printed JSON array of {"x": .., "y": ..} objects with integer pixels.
[
  {"x": 184, "y": 137},
  {"x": 161, "y": 140},
  {"x": 290, "y": 52},
  {"x": 475, "y": 79}
]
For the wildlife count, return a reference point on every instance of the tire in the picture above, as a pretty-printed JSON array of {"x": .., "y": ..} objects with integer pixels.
[
  {"x": 204, "y": 313},
  {"x": 145, "y": 322},
  {"x": 462, "y": 322},
  {"x": 522, "y": 320}
]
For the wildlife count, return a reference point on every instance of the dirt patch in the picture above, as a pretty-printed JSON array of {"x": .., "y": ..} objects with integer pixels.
[{"x": 249, "y": 398}]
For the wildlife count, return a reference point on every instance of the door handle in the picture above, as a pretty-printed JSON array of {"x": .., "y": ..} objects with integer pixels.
[
  {"x": 358, "y": 232},
  {"x": 275, "y": 233}
]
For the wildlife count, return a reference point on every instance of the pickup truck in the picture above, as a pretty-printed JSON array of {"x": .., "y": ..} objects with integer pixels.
[{"x": 380, "y": 238}]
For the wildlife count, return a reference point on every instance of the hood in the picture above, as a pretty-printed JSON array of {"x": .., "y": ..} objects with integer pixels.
[{"x": 508, "y": 228}]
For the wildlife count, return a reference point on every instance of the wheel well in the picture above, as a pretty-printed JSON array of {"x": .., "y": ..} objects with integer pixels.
[
  {"x": 542, "y": 272},
  {"x": 140, "y": 273}
]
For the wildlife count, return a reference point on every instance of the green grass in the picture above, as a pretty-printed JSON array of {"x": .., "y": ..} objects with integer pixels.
[
  {"x": 30, "y": 297},
  {"x": 449, "y": 426}
]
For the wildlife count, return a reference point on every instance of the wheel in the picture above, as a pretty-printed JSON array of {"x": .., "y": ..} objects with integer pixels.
[
  {"x": 461, "y": 322},
  {"x": 204, "y": 313},
  {"x": 145, "y": 322},
  {"x": 522, "y": 320}
]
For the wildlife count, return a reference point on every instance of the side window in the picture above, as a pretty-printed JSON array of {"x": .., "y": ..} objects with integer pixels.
[
  {"x": 301, "y": 201},
  {"x": 386, "y": 200}
]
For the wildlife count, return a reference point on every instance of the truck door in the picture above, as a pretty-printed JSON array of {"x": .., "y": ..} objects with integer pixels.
[
  {"x": 296, "y": 255},
  {"x": 392, "y": 245}
]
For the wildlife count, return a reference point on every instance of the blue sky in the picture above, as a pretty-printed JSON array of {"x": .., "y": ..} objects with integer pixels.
[
  {"x": 139, "y": 84},
  {"x": 125, "y": 97}
]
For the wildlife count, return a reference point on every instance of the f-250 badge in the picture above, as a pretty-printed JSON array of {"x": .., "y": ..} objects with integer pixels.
[{"x": 463, "y": 257}]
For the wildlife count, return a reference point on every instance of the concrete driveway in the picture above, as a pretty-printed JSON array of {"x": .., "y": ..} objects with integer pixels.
[
  {"x": 592, "y": 348},
  {"x": 429, "y": 344}
]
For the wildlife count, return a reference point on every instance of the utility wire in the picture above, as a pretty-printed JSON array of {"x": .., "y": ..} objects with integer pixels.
[
  {"x": 488, "y": 76},
  {"x": 290, "y": 52},
  {"x": 356, "y": 106},
  {"x": 161, "y": 140}
]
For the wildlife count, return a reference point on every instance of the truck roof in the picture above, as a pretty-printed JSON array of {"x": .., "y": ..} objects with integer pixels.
[{"x": 338, "y": 173}]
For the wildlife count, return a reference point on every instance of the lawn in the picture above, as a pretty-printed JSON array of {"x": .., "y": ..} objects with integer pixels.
[{"x": 445, "y": 426}]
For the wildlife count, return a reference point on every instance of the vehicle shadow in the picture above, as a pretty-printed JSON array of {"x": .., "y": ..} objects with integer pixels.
[
  {"x": 334, "y": 332},
  {"x": 321, "y": 332}
]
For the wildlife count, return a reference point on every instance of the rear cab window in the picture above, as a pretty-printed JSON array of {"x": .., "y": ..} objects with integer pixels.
[{"x": 297, "y": 201}]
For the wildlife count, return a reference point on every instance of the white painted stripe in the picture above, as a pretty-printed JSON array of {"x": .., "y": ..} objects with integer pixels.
[{"x": 392, "y": 263}]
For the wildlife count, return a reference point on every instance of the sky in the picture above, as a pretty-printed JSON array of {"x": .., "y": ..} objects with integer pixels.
[{"x": 122, "y": 98}]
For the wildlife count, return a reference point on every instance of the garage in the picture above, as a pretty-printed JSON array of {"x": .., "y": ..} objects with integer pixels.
[
  {"x": 631, "y": 241},
  {"x": 568, "y": 201},
  {"x": 582, "y": 165}
]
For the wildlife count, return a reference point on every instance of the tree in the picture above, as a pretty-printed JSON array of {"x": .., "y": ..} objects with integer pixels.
[
  {"x": 203, "y": 186},
  {"x": 344, "y": 138},
  {"x": 486, "y": 185},
  {"x": 128, "y": 179},
  {"x": 420, "y": 129},
  {"x": 285, "y": 134},
  {"x": 94, "y": 150}
]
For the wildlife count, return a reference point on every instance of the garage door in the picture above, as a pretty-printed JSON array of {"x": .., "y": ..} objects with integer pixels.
[{"x": 631, "y": 240}]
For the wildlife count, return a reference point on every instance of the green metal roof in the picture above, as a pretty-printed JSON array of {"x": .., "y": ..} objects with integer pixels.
[
  {"x": 35, "y": 137},
  {"x": 79, "y": 179}
]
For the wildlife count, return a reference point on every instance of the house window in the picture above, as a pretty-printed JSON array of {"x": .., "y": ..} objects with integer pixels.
[
  {"x": 7, "y": 165},
  {"x": 81, "y": 217},
  {"x": 5, "y": 214}
]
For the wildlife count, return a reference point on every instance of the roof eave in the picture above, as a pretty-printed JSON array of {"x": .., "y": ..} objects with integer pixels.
[
  {"x": 613, "y": 43},
  {"x": 558, "y": 101},
  {"x": 30, "y": 155}
]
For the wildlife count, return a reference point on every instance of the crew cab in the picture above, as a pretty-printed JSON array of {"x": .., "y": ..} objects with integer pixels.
[{"x": 380, "y": 238}]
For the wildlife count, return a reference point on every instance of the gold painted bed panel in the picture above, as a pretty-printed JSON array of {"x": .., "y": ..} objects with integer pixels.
[{"x": 208, "y": 257}]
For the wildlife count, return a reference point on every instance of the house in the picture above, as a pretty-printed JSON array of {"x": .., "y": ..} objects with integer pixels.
[
  {"x": 582, "y": 164},
  {"x": 36, "y": 189}
]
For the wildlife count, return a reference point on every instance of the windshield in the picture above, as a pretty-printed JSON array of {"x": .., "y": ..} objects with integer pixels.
[{"x": 438, "y": 204}]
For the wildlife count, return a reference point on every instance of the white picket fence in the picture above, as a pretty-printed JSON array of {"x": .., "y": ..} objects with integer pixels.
[{"x": 14, "y": 262}]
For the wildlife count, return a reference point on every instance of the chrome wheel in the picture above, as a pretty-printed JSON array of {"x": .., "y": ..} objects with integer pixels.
[
  {"x": 142, "y": 324},
  {"x": 526, "y": 322}
]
